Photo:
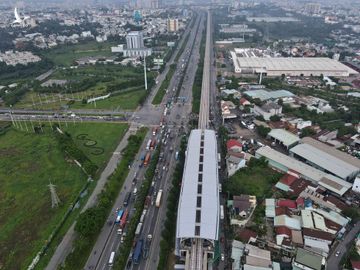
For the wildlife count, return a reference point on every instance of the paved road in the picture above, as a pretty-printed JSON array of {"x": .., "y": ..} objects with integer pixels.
[
  {"x": 65, "y": 246},
  {"x": 59, "y": 112},
  {"x": 333, "y": 261},
  {"x": 179, "y": 116},
  {"x": 148, "y": 114}
]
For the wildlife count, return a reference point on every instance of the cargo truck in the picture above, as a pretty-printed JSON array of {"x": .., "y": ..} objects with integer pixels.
[
  {"x": 148, "y": 145},
  {"x": 127, "y": 198},
  {"x": 147, "y": 159},
  {"x": 138, "y": 229},
  {"x": 138, "y": 251},
  {"x": 153, "y": 143},
  {"x": 119, "y": 216},
  {"x": 158, "y": 198}
]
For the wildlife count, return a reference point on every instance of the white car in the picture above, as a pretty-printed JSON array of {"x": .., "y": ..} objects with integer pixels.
[{"x": 222, "y": 257}]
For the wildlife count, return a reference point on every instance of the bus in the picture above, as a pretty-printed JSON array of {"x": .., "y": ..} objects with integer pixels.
[
  {"x": 221, "y": 212},
  {"x": 111, "y": 259},
  {"x": 127, "y": 199},
  {"x": 148, "y": 145},
  {"x": 119, "y": 216},
  {"x": 158, "y": 198}
]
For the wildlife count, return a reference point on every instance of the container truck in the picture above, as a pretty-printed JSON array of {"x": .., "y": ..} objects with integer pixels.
[
  {"x": 147, "y": 202},
  {"x": 221, "y": 212},
  {"x": 119, "y": 216},
  {"x": 142, "y": 218},
  {"x": 124, "y": 218},
  {"x": 147, "y": 159},
  {"x": 148, "y": 145},
  {"x": 158, "y": 198},
  {"x": 127, "y": 198},
  {"x": 122, "y": 222},
  {"x": 138, "y": 229},
  {"x": 153, "y": 143},
  {"x": 154, "y": 131},
  {"x": 138, "y": 251}
]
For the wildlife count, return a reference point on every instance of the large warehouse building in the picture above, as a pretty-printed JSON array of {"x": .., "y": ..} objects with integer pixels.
[
  {"x": 287, "y": 164},
  {"x": 290, "y": 66},
  {"x": 198, "y": 211},
  {"x": 326, "y": 158}
]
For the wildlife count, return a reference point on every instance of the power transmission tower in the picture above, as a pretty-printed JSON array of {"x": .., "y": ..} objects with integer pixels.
[{"x": 54, "y": 197}]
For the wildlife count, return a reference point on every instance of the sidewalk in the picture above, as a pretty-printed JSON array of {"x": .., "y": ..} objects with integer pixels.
[{"x": 65, "y": 247}]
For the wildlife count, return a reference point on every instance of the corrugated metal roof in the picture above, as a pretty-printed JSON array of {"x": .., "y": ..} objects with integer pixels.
[
  {"x": 266, "y": 95},
  {"x": 209, "y": 221},
  {"x": 291, "y": 223},
  {"x": 306, "y": 218},
  {"x": 332, "y": 151},
  {"x": 324, "y": 160},
  {"x": 328, "y": 181},
  {"x": 308, "y": 259},
  {"x": 285, "y": 137}
]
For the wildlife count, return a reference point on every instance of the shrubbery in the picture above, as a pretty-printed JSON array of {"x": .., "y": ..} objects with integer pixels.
[
  {"x": 91, "y": 221},
  {"x": 168, "y": 234}
]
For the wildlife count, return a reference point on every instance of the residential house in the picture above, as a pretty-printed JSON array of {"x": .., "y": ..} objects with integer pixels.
[{"x": 267, "y": 110}]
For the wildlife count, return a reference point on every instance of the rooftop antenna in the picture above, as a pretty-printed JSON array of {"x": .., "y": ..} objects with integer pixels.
[{"x": 54, "y": 197}]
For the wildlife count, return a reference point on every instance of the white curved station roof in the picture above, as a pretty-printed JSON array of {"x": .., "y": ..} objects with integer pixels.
[{"x": 196, "y": 220}]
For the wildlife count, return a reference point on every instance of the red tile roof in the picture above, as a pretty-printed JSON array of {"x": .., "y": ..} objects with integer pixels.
[
  {"x": 236, "y": 154},
  {"x": 335, "y": 201},
  {"x": 287, "y": 203},
  {"x": 355, "y": 265},
  {"x": 298, "y": 186},
  {"x": 288, "y": 179},
  {"x": 246, "y": 234},
  {"x": 231, "y": 143},
  {"x": 318, "y": 234},
  {"x": 279, "y": 211},
  {"x": 243, "y": 100},
  {"x": 283, "y": 230},
  {"x": 300, "y": 201}
]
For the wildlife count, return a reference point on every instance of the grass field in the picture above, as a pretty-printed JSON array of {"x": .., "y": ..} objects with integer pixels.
[
  {"x": 256, "y": 180},
  {"x": 126, "y": 84},
  {"x": 125, "y": 101},
  {"x": 65, "y": 55},
  {"x": 28, "y": 162}
]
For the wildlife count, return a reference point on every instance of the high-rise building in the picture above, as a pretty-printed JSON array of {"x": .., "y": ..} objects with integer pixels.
[
  {"x": 154, "y": 4},
  {"x": 312, "y": 8},
  {"x": 135, "y": 40},
  {"x": 173, "y": 25},
  {"x": 135, "y": 45}
]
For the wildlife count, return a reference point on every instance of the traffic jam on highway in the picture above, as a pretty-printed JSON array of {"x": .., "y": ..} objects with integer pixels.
[{"x": 142, "y": 241}]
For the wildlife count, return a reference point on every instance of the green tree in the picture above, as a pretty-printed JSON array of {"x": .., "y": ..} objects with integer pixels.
[
  {"x": 352, "y": 213},
  {"x": 263, "y": 131},
  {"x": 308, "y": 131},
  {"x": 275, "y": 118},
  {"x": 90, "y": 222}
]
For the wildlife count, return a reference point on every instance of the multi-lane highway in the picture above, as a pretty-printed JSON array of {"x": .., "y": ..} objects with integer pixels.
[
  {"x": 175, "y": 118},
  {"x": 147, "y": 115}
]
